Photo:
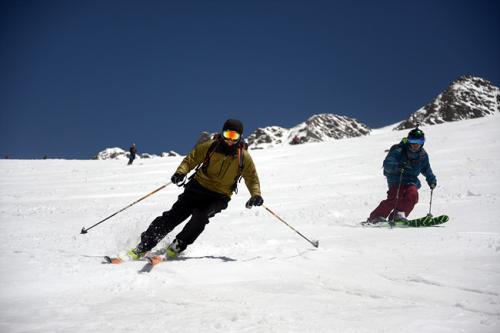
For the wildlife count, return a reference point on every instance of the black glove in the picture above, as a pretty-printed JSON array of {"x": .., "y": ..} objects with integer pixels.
[
  {"x": 256, "y": 200},
  {"x": 177, "y": 178},
  {"x": 433, "y": 185}
]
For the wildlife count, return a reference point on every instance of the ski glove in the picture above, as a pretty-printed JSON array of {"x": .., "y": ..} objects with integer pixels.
[
  {"x": 433, "y": 185},
  {"x": 256, "y": 200},
  {"x": 177, "y": 178}
]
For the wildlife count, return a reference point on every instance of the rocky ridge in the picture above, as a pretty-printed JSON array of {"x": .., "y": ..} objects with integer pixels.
[
  {"x": 466, "y": 98},
  {"x": 321, "y": 127}
]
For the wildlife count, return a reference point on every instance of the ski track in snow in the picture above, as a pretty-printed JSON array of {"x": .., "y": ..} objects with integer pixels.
[{"x": 248, "y": 272}]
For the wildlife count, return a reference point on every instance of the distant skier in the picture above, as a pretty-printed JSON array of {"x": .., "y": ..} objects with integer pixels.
[
  {"x": 219, "y": 164},
  {"x": 132, "y": 152},
  {"x": 402, "y": 166},
  {"x": 295, "y": 140}
]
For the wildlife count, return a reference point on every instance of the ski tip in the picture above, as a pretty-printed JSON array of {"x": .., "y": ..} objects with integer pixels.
[
  {"x": 114, "y": 261},
  {"x": 441, "y": 219},
  {"x": 154, "y": 260},
  {"x": 146, "y": 269}
]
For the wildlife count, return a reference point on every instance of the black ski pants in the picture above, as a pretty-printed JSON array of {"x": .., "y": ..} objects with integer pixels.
[{"x": 197, "y": 202}]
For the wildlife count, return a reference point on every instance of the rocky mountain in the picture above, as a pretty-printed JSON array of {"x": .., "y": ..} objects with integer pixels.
[
  {"x": 268, "y": 137},
  {"x": 467, "y": 97},
  {"x": 321, "y": 127},
  {"x": 120, "y": 154}
]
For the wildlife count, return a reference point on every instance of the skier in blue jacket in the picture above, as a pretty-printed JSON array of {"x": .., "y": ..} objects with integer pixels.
[{"x": 402, "y": 166}]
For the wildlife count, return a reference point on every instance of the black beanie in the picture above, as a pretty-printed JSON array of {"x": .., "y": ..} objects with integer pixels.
[{"x": 234, "y": 125}]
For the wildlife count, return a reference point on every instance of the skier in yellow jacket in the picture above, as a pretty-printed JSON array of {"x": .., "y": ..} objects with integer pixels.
[{"x": 219, "y": 164}]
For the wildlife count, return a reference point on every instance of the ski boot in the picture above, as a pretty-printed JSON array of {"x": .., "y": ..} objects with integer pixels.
[
  {"x": 175, "y": 248},
  {"x": 135, "y": 254},
  {"x": 374, "y": 221},
  {"x": 400, "y": 217}
]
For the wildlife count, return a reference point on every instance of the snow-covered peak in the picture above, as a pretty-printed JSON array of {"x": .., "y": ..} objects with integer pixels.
[
  {"x": 268, "y": 137},
  {"x": 326, "y": 126},
  {"x": 321, "y": 127},
  {"x": 112, "y": 153},
  {"x": 120, "y": 154},
  {"x": 467, "y": 97}
]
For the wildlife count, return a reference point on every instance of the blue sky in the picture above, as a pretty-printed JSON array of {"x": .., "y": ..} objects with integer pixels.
[{"x": 77, "y": 77}]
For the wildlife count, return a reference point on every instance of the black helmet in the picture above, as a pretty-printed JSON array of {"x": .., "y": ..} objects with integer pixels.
[
  {"x": 233, "y": 125},
  {"x": 416, "y": 136}
]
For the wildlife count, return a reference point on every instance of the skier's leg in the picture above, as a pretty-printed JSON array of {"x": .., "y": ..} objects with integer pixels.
[
  {"x": 199, "y": 219},
  {"x": 408, "y": 199},
  {"x": 385, "y": 207},
  {"x": 165, "y": 223}
]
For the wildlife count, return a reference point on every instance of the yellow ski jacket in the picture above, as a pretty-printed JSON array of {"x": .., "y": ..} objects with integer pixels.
[{"x": 222, "y": 171}]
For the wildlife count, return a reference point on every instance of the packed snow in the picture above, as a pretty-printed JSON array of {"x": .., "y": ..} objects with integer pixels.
[{"x": 249, "y": 272}]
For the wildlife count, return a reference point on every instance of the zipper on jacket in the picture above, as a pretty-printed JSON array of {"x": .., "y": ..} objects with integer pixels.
[{"x": 222, "y": 166}]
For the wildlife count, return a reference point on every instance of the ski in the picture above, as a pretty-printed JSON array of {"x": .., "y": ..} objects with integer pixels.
[
  {"x": 147, "y": 268},
  {"x": 440, "y": 219},
  {"x": 153, "y": 260},
  {"x": 112, "y": 260},
  {"x": 384, "y": 224},
  {"x": 118, "y": 260},
  {"x": 418, "y": 222},
  {"x": 426, "y": 221}
]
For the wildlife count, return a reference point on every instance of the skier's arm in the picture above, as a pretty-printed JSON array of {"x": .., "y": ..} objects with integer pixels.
[
  {"x": 249, "y": 173},
  {"x": 427, "y": 172},
  {"x": 392, "y": 162}
]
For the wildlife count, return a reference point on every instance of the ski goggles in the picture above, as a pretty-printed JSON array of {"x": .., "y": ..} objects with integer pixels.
[
  {"x": 416, "y": 141},
  {"x": 231, "y": 135}
]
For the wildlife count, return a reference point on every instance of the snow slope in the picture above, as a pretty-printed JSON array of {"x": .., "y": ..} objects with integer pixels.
[{"x": 248, "y": 272}]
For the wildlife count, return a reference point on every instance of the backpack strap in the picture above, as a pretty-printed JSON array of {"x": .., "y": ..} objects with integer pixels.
[
  {"x": 241, "y": 165},
  {"x": 204, "y": 165}
]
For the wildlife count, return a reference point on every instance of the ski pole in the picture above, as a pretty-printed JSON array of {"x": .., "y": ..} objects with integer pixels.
[
  {"x": 391, "y": 222},
  {"x": 430, "y": 203},
  {"x": 314, "y": 243},
  {"x": 84, "y": 231}
]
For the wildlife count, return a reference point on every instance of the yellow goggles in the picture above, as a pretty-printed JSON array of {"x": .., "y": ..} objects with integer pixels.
[{"x": 231, "y": 135}]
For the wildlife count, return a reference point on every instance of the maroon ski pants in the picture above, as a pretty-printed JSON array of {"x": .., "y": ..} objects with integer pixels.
[{"x": 408, "y": 197}]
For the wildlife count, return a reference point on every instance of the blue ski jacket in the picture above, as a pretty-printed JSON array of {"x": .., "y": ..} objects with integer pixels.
[{"x": 413, "y": 163}]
